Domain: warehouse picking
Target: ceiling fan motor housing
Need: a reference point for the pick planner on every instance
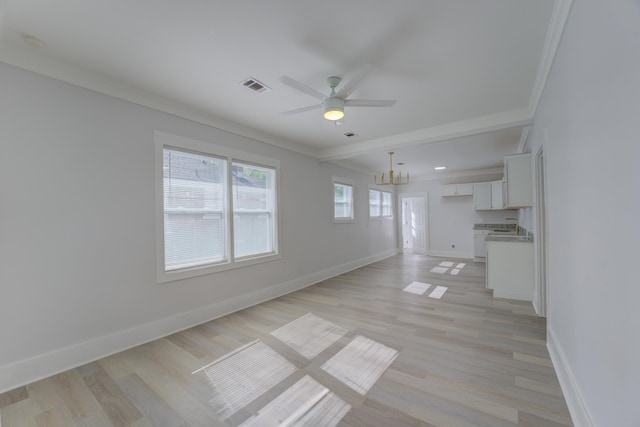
(333, 108)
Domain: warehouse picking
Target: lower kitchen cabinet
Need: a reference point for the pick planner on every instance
(510, 269)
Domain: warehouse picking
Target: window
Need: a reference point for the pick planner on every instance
(374, 203)
(253, 209)
(380, 204)
(342, 200)
(386, 203)
(216, 211)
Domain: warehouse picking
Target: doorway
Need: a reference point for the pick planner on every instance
(541, 233)
(414, 223)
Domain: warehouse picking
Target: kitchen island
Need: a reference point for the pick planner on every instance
(510, 271)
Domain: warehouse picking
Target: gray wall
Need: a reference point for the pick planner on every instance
(77, 230)
(587, 122)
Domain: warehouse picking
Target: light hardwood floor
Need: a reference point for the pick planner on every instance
(464, 360)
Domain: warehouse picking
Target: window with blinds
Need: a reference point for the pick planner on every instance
(218, 212)
(195, 209)
(342, 200)
(379, 204)
(254, 203)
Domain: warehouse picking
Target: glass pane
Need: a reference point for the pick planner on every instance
(386, 203)
(194, 209)
(374, 203)
(254, 202)
(343, 201)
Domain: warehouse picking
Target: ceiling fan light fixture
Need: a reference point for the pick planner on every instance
(333, 108)
(334, 114)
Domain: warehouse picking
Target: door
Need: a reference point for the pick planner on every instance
(414, 223)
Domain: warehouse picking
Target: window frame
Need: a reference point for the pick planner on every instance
(164, 140)
(345, 182)
(380, 215)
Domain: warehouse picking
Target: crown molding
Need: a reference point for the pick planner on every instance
(461, 174)
(474, 126)
(522, 145)
(557, 23)
(109, 87)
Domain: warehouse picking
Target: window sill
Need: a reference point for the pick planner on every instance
(175, 275)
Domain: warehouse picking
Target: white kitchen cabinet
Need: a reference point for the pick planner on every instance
(457, 190)
(496, 195)
(518, 181)
(479, 248)
(510, 269)
(482, 196)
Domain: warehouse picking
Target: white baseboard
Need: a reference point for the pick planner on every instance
(577, 408)
(451, 254)
(44, 365)
(511, 295)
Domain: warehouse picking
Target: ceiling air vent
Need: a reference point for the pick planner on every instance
(255, 85)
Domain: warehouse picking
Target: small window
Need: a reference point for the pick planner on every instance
(374, 203)
(342, 200)
(194, 209)
(380, 204)
(254, 201)
(386, 207)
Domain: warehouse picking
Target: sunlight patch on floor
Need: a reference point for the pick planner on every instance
(309, 335)
(361, 363)
(243, 375)
(417, 288)
(438, 292)
(305, 403)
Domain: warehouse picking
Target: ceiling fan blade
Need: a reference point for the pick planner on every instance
(301, 110)
(370, 102)
(301, 87)
(351, 85)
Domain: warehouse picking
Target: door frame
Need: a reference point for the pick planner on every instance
(425, 197)
(541, 234)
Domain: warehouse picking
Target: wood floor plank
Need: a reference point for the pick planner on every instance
(13, 396)
(154, 408)
(120, 410)
(467, 359)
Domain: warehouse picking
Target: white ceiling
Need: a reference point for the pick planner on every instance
(466, 74)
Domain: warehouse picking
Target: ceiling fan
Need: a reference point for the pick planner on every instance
(333, 105)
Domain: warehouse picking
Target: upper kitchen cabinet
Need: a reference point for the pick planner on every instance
(496, 195)
(487, 196)
(482, 196)
(457, 190)
(518, 181)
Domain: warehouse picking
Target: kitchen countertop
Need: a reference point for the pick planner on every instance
(509, 238)
(494, 227)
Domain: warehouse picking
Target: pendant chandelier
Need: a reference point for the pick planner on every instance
(393, 180)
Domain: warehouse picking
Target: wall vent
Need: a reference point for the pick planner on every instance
(255, 85)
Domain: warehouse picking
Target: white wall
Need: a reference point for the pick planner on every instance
(451, 219)
(77, 238)
(588, 123)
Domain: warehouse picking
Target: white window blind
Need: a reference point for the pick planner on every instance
(374, 203)
(342, 201)
(254, 203)
(379, 204)
(386, 203)
(194, 209)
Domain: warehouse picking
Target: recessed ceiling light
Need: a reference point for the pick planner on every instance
(33, 41)
(440, 168)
